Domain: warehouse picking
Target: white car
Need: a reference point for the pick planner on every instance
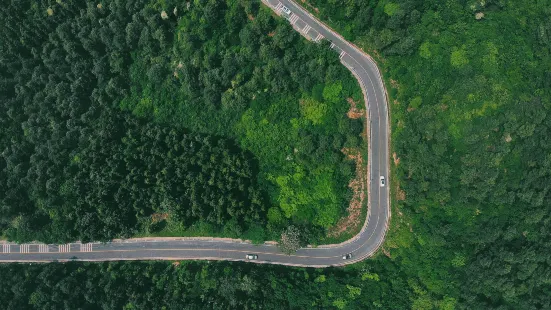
(382, 181)
(286, 10)
(251, 256)
(347, 256)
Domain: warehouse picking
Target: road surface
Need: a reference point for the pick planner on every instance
(361, 246)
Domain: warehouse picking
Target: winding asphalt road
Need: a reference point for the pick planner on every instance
(361, 246)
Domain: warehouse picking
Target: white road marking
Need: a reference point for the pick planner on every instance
(306, 29)
(279, 5)
(332, 44)
(342, 55)
(24, 248)
(43, 248)
(64, 248)
(86, 247)
(6, 248)
(293, 19)
(319, 37)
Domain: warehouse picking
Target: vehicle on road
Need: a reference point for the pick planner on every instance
(251, 256)
(382, 181)
(347, 256)
(286, 10)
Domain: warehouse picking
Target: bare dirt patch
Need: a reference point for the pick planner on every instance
(157, 217)
(400, 194)
(508, 138)
(271, 34)
(354, 112)
(396, 159)
(394, 84)
(359, 189)
(250, 17)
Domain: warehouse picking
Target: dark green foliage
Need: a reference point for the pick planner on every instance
(211, 128)
(252, 80)
(472, 132)
(189, 285)
(75, 168)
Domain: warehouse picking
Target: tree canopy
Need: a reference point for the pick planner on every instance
(129, 118)
(470, 92)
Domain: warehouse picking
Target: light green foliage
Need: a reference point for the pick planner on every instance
(320, 279)
(448, 303)
(370, 276)
(290, 198)
(271, 141)
(307, 188)
(274, 215)
(424, 50)
(391, 8)
(459, 260)
(314, 194)
(423, 303)
(353, 291)
(490, 59)
(332, 92)
(459, 58)
(313, 111)
(340, 303)
(415, 102)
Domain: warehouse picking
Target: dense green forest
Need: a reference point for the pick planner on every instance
(126, 118)
(195, 285)
(470, 87)
(470, 83)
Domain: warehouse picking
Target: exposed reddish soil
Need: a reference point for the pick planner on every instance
(354, 112)
(396, 159)
(157, 217)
